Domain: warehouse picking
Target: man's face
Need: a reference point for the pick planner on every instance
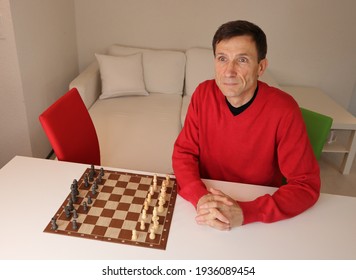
(237, 68)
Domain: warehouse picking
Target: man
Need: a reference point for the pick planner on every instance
(240, 129)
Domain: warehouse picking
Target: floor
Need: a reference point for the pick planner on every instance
(334, 182)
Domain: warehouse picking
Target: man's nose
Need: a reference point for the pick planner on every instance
(230, 70)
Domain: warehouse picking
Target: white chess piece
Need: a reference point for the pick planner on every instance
(134, 235)
(155, 211)
(145, 205)
(155, 224)
(142, 226)
(163, 193)
(144, 214)
(152, 233)
(167, 180)
(160, 208)
(149, 196)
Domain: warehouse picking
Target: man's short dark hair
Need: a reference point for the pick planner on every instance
(242, 28)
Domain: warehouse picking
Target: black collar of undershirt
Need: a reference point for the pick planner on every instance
(238, 110)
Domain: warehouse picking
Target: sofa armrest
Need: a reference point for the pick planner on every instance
(88, 83)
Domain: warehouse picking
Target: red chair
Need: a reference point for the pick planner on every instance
(70, 130)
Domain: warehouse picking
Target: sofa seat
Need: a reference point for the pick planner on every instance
(126, 125)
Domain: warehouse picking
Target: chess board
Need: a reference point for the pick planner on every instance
(116, 209)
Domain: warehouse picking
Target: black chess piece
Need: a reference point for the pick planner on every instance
(74, 196)
(74, 224)
(75, 186)
(91, 175)
(93, 189)
(98, 180)
(85, 207)
(67, 211)
(89, 200)
(75, 214)
(54, 225)
(86, 180)
(70, 204)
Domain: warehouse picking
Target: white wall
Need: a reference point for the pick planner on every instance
(38, 60)
(14, 133)
(47, 55)
(311, 43)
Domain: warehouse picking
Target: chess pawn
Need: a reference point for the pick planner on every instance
(91, 175)
(151, 190)
(145, 205)
(149, 198)
(144, 214)
(155, 211)
(85, 206)
(163, 193)
(101, 172)
(152, 233)
(89, 200)
(155, 224)
(95, 184)
(154, 219)
(142, 226)
(70, 204)
(75, 214)
(160, 207)
(93, 188)
(163, 185)
(86, 180)
(74, 224)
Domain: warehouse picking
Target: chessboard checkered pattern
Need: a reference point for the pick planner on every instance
(116, 210)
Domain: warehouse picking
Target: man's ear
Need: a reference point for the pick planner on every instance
(262, 66)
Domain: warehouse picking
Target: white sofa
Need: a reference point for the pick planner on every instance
(138, 99)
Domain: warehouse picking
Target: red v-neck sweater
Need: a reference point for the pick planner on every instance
(263, 144)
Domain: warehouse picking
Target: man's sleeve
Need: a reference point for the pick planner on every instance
(185, 157)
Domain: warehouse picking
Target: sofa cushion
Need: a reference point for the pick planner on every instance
(163, 70)
(121, 75)
(138, 132)
(200, 67)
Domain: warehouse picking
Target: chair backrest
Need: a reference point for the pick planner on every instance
(318, 128)
(70, 130)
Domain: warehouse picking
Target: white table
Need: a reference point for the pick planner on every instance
(316, 100)
(32, 190)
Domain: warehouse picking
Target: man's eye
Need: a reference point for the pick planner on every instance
(243, 59)
(221, 58)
